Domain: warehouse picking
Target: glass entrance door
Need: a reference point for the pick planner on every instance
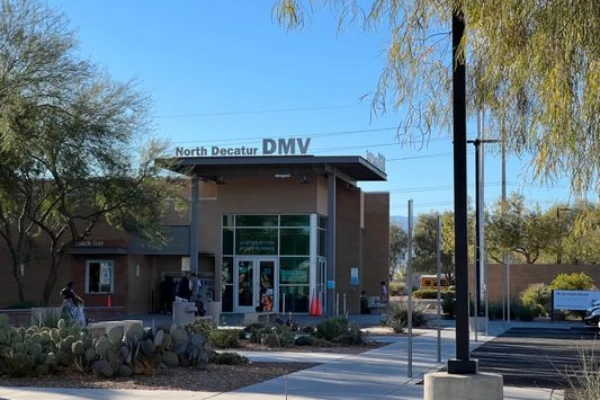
(255, 284)
(244, 298)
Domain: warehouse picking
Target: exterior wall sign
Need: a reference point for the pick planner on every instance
(574, 300)
(292, 146)
(377, 160)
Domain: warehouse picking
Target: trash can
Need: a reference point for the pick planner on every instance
(213, 309)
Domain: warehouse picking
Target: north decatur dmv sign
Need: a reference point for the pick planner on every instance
(293, 146)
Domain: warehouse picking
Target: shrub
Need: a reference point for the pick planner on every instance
(48, 318)
(537, 297)
(305, 341)
(229, 359)
(449, 307)
(331, 328)
(572, 282)
(584, 383)
(200, 326)
(224, 339)
(494, 310)
(525, 313)
(397, 288)
(279, 337)
(396, 316)
(352, 336)
(432, 294)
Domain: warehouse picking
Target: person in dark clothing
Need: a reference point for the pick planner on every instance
(364, 303)
(167, 294)
(184, 290)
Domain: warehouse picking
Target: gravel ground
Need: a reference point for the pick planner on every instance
(314, 349)
(217, 378)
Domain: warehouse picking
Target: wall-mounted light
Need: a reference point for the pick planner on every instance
(137, 270)
(22, 268)
(303, 180)
(282, 176)
(219, 180)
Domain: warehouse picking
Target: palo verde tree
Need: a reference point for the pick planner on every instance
(75, 144)
(533, 65)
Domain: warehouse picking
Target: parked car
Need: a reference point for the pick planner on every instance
(592, 316)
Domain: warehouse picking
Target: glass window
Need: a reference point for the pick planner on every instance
(296, 298)
(228, 220)
(256, 220)
(256, 241)
(321, 242)
(295, 241)
(99, 277)
(227, 241)
(227, 269)
(295, 220)
(294, 270)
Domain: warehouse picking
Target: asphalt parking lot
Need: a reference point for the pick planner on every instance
(537, 357)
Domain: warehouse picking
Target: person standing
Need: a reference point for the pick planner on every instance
(384, 292)
(72, 308)
(183, 291)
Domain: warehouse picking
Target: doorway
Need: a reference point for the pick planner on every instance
(255, 282)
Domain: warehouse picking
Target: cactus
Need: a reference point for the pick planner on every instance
(102, 346)
(102, 367)
(147, 347)
(31, 331)
(61, 324)
(87, 342)
(135, 332)
(170, 359)
(35, 350)
(55, 335)
(179, 348)
(51, 359)
(90, 354)
(111, 356)
(115, 335)
(124, 371)
(4, 337)
(167, 341)
(158, 338)
(179, 335)
(198, 339)
(77, 348)
(66, 344)
(3, 320)
(63, 333)
(20, 348)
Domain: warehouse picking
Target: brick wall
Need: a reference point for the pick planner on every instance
(522, 275)
(376, 241)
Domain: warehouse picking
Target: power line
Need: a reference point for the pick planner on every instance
(254, 112)
(447, 203)
(449, 187)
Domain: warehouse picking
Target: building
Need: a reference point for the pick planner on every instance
(285, 228)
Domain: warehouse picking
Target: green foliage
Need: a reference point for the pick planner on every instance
(396, 316)
(224, 338)
(398, 247)
(229, 359)
(397, 288)
(432, 294)
(331, 328)
(449, 307)
(278, 337)
(573, 281)
(537, 297)
(305, 341)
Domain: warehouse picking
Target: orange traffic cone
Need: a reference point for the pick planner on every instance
(319, 306)
(312, 309)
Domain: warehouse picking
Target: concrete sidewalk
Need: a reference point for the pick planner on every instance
(379, 374)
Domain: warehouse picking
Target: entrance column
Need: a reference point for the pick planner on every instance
(194, 227)
(331, 210)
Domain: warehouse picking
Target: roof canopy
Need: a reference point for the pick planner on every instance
(353, 167)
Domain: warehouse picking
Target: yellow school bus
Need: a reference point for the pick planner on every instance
(430, 282)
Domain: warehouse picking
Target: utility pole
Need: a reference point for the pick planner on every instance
(479, 214)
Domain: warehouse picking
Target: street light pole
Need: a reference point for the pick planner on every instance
(462, 364)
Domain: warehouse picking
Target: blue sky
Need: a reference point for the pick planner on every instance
(223, 72)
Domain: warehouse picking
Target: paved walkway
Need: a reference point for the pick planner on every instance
(379, 374)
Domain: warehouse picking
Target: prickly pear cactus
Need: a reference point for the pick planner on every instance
(103, 368)
(102, 346)
(135, 332)
(115, 335)
(170, 359)
(179, 335)
(158, 338)
(77, 348)
(3, 320)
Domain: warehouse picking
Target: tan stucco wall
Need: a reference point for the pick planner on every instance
(375, 242)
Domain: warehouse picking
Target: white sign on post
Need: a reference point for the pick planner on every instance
(574, 300)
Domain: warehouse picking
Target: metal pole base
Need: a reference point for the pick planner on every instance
(463, 367)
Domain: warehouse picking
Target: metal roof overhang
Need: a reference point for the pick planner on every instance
(351, 168)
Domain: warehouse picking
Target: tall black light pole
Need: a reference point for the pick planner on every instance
(462, 364)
